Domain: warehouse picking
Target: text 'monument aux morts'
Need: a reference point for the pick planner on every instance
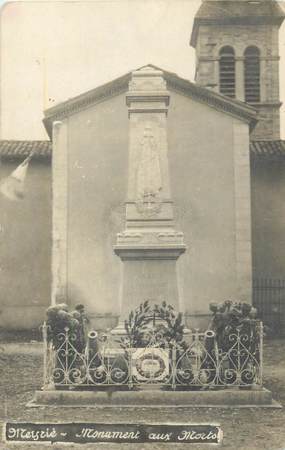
(129, 433)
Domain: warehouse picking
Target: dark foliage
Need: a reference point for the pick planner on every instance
(158, 323)
(60, 321)
(233, 318)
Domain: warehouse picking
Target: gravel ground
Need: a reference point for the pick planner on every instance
(244, 429)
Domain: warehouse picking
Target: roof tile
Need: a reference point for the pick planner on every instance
(21, 149)
(43, 149)
(268, 149)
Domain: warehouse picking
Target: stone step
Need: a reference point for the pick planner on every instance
(153, 398)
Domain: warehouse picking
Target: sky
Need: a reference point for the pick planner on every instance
(54, 50)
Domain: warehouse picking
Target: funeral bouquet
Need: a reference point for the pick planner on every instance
(232, 318)
(62, 324)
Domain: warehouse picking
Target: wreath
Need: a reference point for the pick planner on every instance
(158, 324)
(152, 357)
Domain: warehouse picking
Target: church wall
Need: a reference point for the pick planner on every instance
(268, 218)
(268, 126)
(205, 190)
(25, 242)
(201, 161)
(97, 183)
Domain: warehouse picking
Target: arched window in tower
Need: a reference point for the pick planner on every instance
(227, 72)
(252, 75)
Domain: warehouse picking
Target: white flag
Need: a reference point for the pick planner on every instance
(12, 187)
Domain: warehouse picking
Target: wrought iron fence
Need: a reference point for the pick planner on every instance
(200, 361)
(269, 299)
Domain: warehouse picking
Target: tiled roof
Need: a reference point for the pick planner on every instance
(43, 149)
(236, 12)
(221, 8)
(268, 149)
(21, 149)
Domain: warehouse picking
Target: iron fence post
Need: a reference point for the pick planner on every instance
(261, 352)
(66, 354)
(173, 359)
(45, 347)
(239, 356)
(130, 380)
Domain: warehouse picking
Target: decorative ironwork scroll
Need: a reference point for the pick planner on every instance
(198, 364)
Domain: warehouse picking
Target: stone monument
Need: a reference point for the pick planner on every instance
(155, 366)
(150, 245)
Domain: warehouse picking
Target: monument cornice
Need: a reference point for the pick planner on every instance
(163, 200)
(147, 110)
(127, 253)
(152, 97)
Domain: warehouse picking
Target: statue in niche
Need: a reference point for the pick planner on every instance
(149, 180)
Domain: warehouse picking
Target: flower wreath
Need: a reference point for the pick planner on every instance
(157, 374)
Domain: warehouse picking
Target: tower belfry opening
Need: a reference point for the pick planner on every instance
(227, 72)
(252, 74)
(237, 49)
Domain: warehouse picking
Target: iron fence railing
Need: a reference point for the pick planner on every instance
(269, 299)
(199, 362)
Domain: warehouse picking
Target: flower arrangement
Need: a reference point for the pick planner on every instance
(60, 320)
(158, 323)
(232, 317)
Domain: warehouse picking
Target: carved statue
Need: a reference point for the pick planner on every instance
(149, 180)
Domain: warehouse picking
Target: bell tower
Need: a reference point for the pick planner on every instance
(237, 54)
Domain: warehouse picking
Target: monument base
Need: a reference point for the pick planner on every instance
(155, 398)
(119, 331)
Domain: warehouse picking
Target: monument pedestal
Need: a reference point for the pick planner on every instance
(149, 271)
